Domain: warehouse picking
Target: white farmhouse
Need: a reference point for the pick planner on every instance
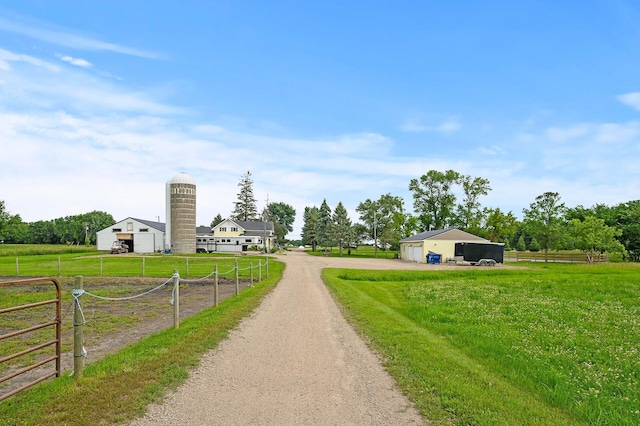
(235, 236)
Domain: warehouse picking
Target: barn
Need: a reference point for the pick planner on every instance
(142, 236)
(450, 244)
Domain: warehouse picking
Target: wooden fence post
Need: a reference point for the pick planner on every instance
(215, 285)
(176, 299)
(251, 274)
(17, 270)
(267, 268)
(259, 270)
(187, 273)
(78, 345)
(100, 265)
(58, 265)
(237, 278)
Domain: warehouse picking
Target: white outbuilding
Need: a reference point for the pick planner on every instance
(142, 236)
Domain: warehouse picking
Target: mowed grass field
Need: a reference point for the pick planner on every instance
(550, 344)
(48, 262)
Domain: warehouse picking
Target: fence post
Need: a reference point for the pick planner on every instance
(143, 266)
(237, 278)
(176, 299)
(251, 274)
(266, 269)
(17, 270)
(100, 265)
(58, 265)
(259, 270)
(187, 274)
(215, 285)
(78, 345)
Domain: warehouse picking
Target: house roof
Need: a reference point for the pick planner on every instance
(456, 235)
(254, 225)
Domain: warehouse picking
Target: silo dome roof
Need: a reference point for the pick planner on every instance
(182, 178)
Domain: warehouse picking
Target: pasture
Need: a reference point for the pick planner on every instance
(142, 361)
(549, 344)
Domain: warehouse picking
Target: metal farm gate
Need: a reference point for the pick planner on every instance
(55, 342)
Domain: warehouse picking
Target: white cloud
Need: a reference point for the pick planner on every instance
(32, 81)
(558, 134)
(7, 56)
(631, 99)
(446, 127)
(410, 126)
(62, 37)
(75, 61)
(617, 133)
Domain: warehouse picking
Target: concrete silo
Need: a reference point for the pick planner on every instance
(181, 214)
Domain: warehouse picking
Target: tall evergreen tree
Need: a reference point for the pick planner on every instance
(309, 227)
(245, 208)
(323, 228)
(341, 226)
(216, 220)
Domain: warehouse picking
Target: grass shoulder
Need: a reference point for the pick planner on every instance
(549, 344)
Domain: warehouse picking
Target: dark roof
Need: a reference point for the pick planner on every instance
(203, 230)
(254, 225)
(424, 235)
(160, 226)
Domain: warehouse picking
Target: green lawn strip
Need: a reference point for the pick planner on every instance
(360, 252)
(118, 388)
(95, 264)
(547, 344)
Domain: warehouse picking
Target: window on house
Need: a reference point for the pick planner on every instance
(130, 226)
(234, 229)
(248, 240)
(116, 229)
(223, 229)
(144, 229)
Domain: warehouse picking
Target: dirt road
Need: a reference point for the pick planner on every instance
(295, 361)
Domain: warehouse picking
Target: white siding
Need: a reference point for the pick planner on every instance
(144, 242)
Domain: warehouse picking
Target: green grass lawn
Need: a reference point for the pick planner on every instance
(100, 264)
(552, 344)
(360, 252)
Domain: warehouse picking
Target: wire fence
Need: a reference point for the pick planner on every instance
(220, 283)
(117, 265)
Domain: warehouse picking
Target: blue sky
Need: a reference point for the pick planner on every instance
(102, 102)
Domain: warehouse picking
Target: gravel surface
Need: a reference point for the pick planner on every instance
(294, 361)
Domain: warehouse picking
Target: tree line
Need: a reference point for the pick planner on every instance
(75, 229)
(547, 223)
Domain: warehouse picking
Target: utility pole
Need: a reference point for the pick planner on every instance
(264, 224)
(375, 233)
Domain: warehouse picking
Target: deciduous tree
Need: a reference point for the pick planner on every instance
(544, 220)
(433, 198)
(592, 236)
(469, 213)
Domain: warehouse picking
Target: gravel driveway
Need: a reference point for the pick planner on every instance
(294, 361)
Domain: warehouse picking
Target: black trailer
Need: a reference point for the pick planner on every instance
(480, 253)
